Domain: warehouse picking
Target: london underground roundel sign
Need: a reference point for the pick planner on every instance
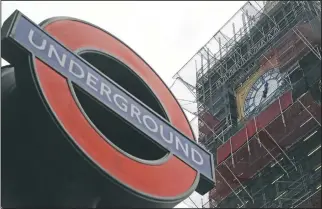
(55, 50)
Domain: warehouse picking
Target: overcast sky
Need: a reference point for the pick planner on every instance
(166, 34)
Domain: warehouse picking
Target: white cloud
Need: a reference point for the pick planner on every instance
(166, 34)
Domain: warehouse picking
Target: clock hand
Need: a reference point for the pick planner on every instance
(262, 98)
(265, 90)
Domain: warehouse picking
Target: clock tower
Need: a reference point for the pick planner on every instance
(269, 56)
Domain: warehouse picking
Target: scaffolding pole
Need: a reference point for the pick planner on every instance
(230, 187)
(203, 122)
(257, 136)
(306, 42)
(283, 119)
(309, 112)
(231, 153)
(280, 148)
(306, 198)
(247, 138)
(274, 159)
(188, 85)
(239, 182)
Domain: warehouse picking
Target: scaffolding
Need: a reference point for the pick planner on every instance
(284, 35)
(277, 159)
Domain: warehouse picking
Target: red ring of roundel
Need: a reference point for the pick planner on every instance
(170, 179)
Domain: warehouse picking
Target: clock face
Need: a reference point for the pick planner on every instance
(262, 90)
